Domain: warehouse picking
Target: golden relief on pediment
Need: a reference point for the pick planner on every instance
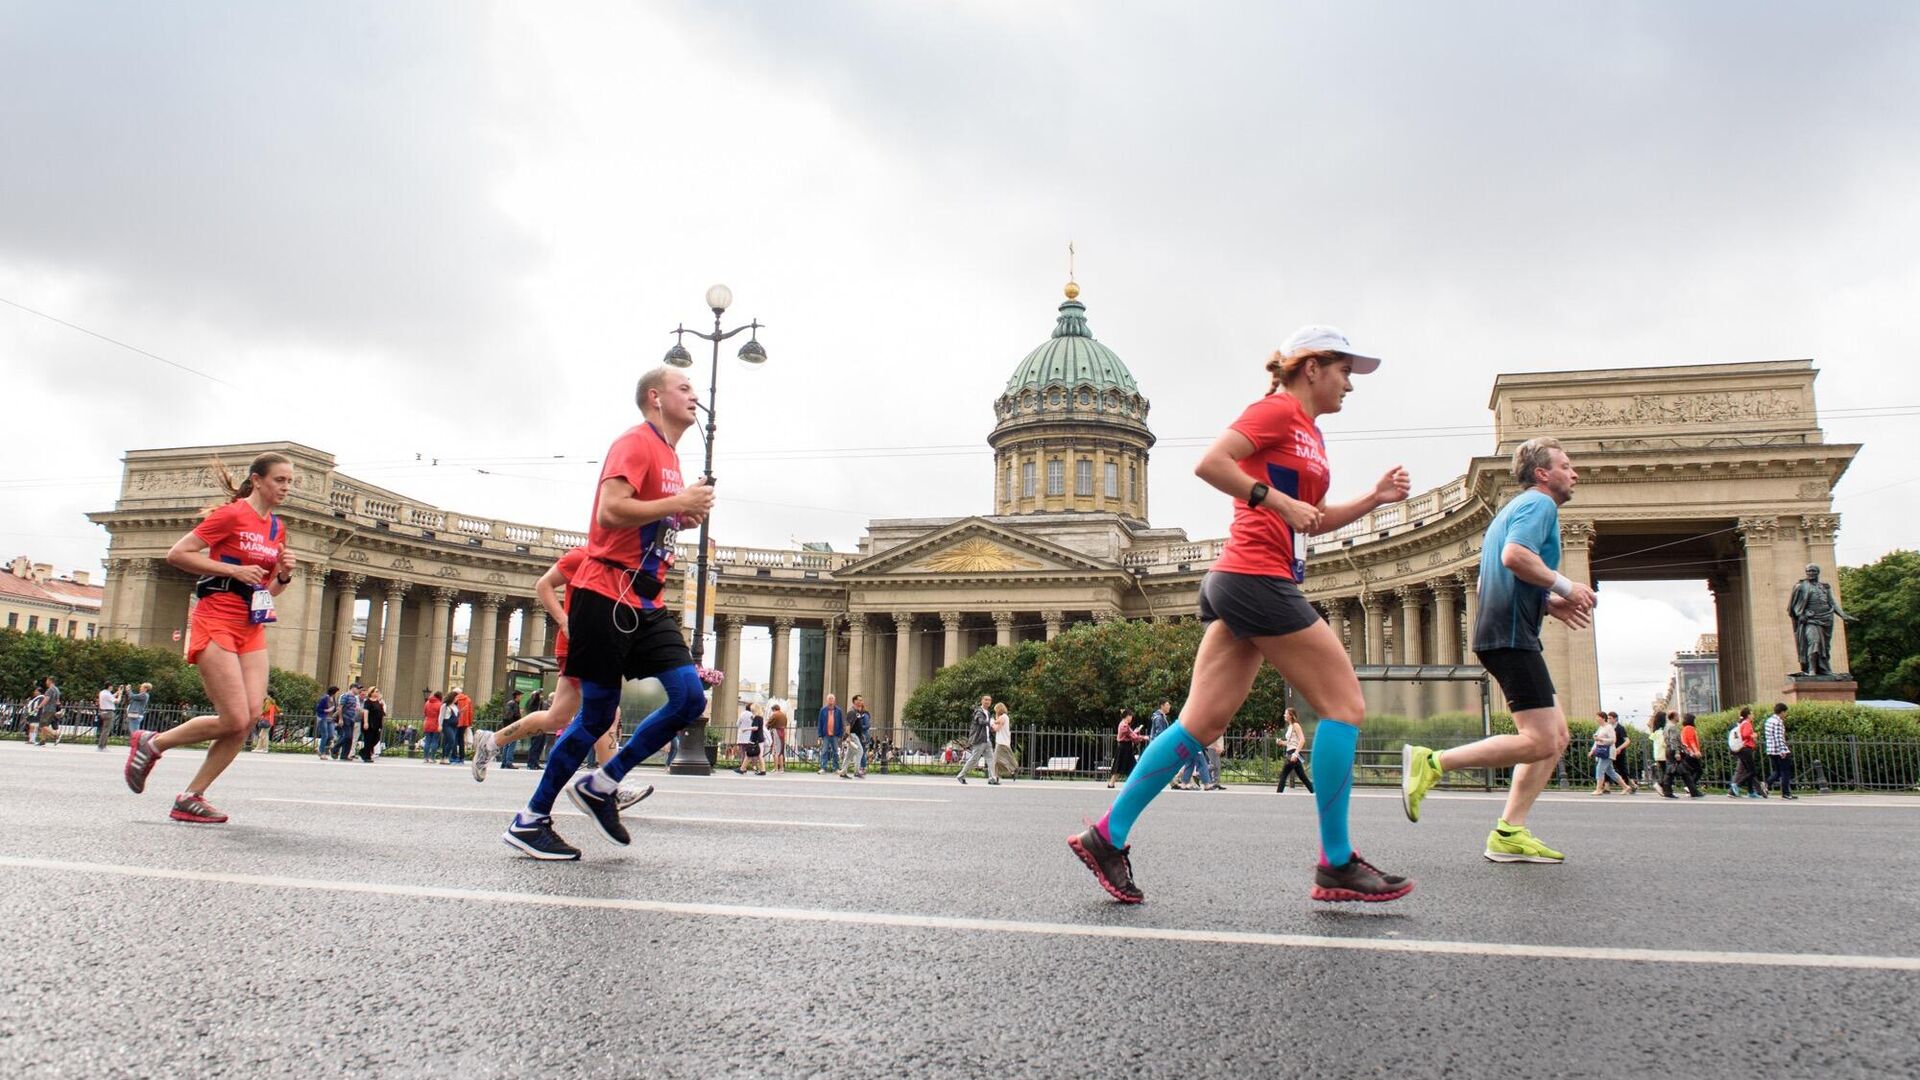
(974, 557)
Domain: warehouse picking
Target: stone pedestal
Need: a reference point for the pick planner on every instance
(1800, 690)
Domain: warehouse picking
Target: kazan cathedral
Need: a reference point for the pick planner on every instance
(1719, 469)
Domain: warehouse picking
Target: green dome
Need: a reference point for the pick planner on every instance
(1072, 358)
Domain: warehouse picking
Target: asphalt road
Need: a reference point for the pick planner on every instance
(366, 920)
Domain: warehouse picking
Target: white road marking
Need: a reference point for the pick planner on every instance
(997, 926)
(509, 812)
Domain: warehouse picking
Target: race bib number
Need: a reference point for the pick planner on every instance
(260, 610)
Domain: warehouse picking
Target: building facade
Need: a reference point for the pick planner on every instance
(1715, 472)
(33, 600)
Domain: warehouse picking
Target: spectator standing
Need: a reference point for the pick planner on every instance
(537, 744)
(323, 721)
(1158, 722)
(1780, 752)
(347, 712)
(1003, 759)
(137, 707)
(1215, 750)
(374, 725)
(777, 724)
(1127, 738)
(1746, 770)
(1295, 741)
(1622, 743)
(461, 725)
(1663, 765)
(859, 735)
(980, 741)
(509, 714)
(450, 717)
(46, 715)
(263, 725)
(832, 728)
(108, 704)
(430, 726)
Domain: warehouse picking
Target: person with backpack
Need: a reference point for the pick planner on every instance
(1746, 775)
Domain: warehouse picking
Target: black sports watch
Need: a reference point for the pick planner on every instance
(1258, 495)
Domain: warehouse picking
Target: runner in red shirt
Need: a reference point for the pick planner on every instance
(566, 694)
(617, 625)
(1273, 462)
(239, 552)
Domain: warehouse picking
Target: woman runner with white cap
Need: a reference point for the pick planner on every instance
(1273, 462)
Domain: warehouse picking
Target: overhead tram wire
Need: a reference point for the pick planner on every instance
(115, 341)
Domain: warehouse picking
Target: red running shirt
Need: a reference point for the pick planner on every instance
(1289, 456)
(642, 458)
(235, 534)
(568, 565)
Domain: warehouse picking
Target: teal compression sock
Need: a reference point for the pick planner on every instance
(1334, 743)
(1163, 757)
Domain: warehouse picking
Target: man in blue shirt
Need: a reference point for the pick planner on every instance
(323, 721)
(831, 729)
(1520, 584)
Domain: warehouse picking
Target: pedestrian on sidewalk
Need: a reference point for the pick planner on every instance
(1003, 759)
(1780, 753)
(1746, 770)
(323, 721)
(1294, 741)
(777, 724)
(1664, 769)
(831, 728)
(859, 737)
(107, 705)
(1602, 754)
(137, 707)
(1691, 762)
(1127, 740)
(980, 741)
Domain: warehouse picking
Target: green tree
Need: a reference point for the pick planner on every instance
(1884, 644)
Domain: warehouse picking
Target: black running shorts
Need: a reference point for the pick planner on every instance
(1253, 605)
(610, 641)
(1522, 675)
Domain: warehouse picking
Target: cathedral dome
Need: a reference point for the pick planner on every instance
(1070, 429)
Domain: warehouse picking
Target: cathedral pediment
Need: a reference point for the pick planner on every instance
(974, 547)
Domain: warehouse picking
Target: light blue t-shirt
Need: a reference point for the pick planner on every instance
(1510, 609)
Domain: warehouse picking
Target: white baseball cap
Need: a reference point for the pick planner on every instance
(1329, 339)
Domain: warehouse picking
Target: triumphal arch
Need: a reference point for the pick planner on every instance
(1710, 472)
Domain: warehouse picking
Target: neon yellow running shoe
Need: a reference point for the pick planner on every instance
(1519, 846)
(1418, 774)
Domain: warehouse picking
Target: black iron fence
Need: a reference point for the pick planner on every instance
(1847, 763)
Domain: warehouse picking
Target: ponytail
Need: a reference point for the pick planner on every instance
(245, 488)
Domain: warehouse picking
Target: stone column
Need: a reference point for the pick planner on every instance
(347, 589)
(1337, 622)
(950, 655)
(857, 656)
(310, 627)
(1581, 695)
(533, 631)
(1406, 638)
(1003, 628)
(390, 643)
(902, 671)
(1052, 619)
(726, 701)
(370, 668)
(481, 635)
(829, 657)
(1769, 630)
(1820, 530)
(778, 674)
(1376, 605)
(1469, 582)
(443, 599)
(1446, 624)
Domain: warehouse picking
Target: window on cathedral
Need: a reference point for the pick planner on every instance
(1113, 480)
(1026, 479)
(1056, 477)
(1008, 489)
(1083, 477)
(1132, 489)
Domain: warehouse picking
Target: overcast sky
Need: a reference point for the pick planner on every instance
(459, 231)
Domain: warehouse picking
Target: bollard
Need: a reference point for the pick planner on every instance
(1819, 774)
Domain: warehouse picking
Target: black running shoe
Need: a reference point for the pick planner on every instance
(539, 840)
(140, 758)
(1358, 880)
(1109, 864)
(603, 810)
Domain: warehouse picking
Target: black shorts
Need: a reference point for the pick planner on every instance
(1522, 675)
(1253, 605)
(609, 641)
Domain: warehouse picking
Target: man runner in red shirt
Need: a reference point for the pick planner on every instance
(618, 626)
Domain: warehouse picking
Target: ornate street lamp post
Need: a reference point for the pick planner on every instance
(691, 756)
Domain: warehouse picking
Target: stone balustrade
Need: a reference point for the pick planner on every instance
(381, 511)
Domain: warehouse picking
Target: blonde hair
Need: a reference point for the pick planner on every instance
(261, 466)
(999, 708)
(1285, 368)
(1530, 455)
